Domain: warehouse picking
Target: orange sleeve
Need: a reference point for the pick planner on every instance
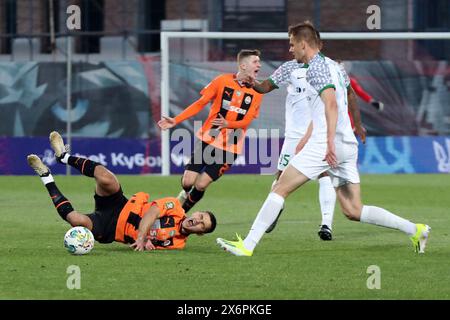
(192, 110)
(207, 94)
(168, 206)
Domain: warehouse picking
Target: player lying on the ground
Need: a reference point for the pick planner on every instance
(331, 148)
(146, 225)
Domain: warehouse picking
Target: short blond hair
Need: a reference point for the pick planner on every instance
(306, 31)
(244, 53)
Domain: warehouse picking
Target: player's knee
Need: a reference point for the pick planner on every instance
(201, 185)
(280, 189)
(187, 183)
(352, 213)
(75, 219)
(104, 176)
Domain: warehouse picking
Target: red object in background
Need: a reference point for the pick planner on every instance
(361, 93)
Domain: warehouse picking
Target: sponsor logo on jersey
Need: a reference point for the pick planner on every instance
(234, 109)
(169, 205)
(248, 99)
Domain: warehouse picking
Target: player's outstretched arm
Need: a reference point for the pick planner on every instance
(264, 86)
(192, 110)
(147, 221)
(167, 123)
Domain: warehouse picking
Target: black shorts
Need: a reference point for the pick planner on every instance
(104, 219)
(210, 159)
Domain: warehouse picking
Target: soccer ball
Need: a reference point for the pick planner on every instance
(79, 240)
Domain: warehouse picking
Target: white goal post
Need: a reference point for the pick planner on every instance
(167, 35)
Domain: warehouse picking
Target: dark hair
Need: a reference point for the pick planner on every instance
(244, 53)
(305, 31)
(213, 221)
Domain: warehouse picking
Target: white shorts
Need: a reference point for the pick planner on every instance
(287, 152)
(309, 161)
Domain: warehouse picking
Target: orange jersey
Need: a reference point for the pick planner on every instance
(238, 104)
(165, 231)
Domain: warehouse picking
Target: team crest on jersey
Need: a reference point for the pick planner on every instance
(172, 233)
(248, 100)
(238, 93)
(169, 205)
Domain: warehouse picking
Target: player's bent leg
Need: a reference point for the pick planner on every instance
(85, 166)
(203, 181)
(62, 205)
(274, 224)
(188, 179)
(349, 196)
(78, 219)
(289, 181)
(196, 194)
(106, 182)
(187, 182)
(277, 176)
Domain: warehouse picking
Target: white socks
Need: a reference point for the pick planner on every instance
(65, 159)
(384, 218)
(266, 216)
(47, 179)
(327, 200)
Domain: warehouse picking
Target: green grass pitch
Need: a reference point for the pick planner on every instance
(289, 263)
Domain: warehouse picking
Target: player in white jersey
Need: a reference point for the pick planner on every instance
(298, 130)
(332, 147)
(297, 123)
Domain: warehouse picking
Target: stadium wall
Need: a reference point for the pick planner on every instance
(116, 106)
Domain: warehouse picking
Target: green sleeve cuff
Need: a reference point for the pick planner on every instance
(327, 87)
(273, 83)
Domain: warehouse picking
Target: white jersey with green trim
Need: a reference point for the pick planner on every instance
(321, 74)
(298, 109)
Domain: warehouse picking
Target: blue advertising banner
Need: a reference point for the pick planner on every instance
(405, 155)
(380, 155)
(121, 156)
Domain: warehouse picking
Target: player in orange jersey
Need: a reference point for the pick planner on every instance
(233, 107)
(145, 224)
